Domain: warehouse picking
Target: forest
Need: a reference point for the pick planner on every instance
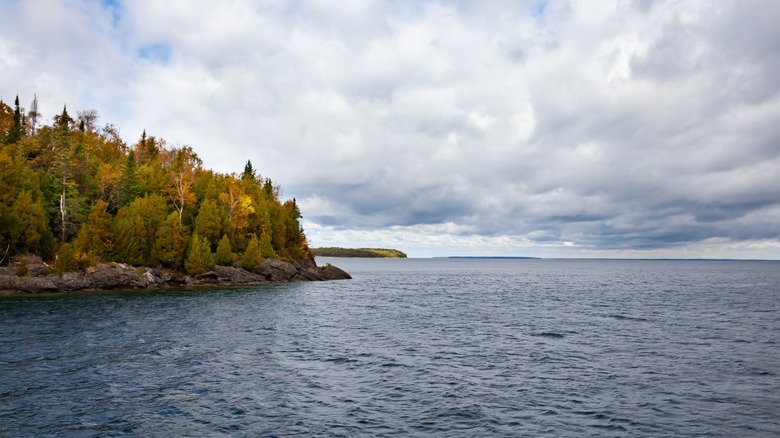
(358, 252)
(76, 194)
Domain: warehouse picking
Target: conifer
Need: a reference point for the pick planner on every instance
(252, 256)
(224, 255)
(199, 257)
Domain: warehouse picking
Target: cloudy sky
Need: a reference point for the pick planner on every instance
(554, 128)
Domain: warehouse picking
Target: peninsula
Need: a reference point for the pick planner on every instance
(358, 252)
(82, 209)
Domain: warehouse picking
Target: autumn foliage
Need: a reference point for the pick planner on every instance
(75, 189)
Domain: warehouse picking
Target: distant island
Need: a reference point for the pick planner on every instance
(495, 257)
(358, 252)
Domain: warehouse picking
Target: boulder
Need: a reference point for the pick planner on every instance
(330, 272)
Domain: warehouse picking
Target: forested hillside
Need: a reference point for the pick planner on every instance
(358, 252)
(78, 194)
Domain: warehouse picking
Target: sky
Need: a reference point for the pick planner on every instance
(548, 128)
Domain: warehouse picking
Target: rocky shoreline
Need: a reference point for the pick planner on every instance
(37, 278)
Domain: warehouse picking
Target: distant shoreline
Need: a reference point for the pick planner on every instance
(358, 253)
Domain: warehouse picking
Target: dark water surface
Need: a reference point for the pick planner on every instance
(408, 348)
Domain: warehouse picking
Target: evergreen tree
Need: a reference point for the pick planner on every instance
(252, 256)
(129, 189)
(170, 242)
(95, 236)
(29, 218)
(249, 171)
(199, 257)
(224, 255)
(16, 132)
(209, 222)
(266, 248)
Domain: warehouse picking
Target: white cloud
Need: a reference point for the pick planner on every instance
(563, 128)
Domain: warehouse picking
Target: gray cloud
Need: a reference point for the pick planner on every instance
(548, 128)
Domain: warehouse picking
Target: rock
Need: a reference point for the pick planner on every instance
(311, 275)
(71, 281)
(234, 275)
(9, 282)
(108, 276)
(277, 270)
(115, 276)
(37, 284)
(330, 272)
(38, 269)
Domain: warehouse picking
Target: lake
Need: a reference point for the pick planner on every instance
(409, 347)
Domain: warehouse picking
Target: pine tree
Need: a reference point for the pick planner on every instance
(224, 255)
(16, 132)
(266, 248)
(170, 242)
(95, 236)
(252, 256)
(209, 222)
(199, 257)
(129, 189)
(249, 171)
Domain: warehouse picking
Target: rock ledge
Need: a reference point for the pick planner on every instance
(119, 276)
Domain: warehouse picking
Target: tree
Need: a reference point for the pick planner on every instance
(266, 248)
(129, 189)
(70, 259)
(182, 176)
(209, 222)
(252, 256)
(224, 254)
(69, 201)
(135, 230)
(95, 236)
(87, 120)
(249, 171)
(199, 257)
(16, 132)
(170, 242)
(29, 230)
(33, 115)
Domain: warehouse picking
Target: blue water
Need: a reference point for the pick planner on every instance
(408, 348)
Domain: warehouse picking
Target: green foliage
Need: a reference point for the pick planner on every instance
(252, 256)
(69, 259)
(16, 132)
(224, 255)
(357, 252)
(95, 236)
(199, 257)
(266, 249)
(105, 200)
(135, 230)
(29, 229)
(209, 222)
(170, 242)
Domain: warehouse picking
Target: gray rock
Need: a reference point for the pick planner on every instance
(71, 281)
(278, 270)
(330, 272)
(37, 284)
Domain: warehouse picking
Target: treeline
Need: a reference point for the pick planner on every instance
(358, 252)
(78, 194)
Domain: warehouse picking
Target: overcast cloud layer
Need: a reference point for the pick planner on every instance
(549, 128)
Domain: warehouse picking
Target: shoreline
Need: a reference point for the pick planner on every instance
(108, 277)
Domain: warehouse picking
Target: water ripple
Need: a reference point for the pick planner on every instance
(409, 348)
